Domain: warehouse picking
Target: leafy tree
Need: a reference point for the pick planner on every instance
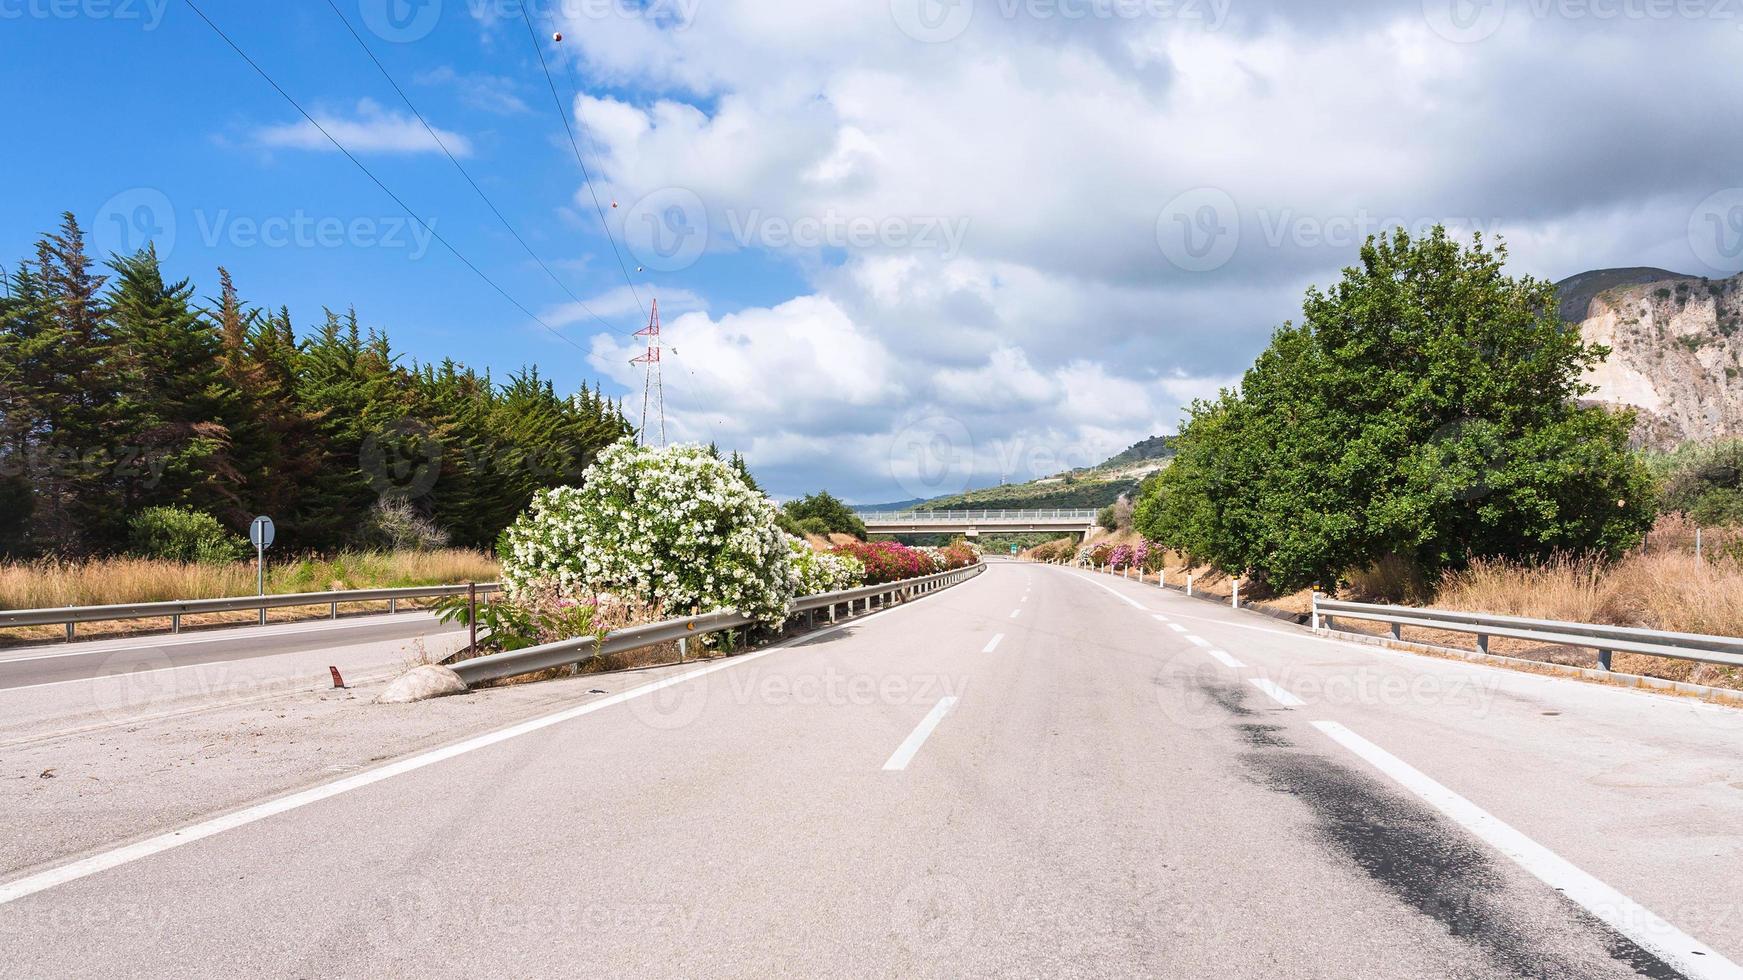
(829, 513)
(1426, 407)
(1704, 481)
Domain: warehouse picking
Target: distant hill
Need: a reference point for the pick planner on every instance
(1676, 350)
(1155, 447)
(1093, 486)
(894, 505)
(1577, 292)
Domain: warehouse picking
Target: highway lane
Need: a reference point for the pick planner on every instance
(1103, 796)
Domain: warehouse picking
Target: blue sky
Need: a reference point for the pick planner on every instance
(903, 246)
(162, 113)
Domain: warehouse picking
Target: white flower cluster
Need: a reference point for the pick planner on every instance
(675, 528)
(816, 572)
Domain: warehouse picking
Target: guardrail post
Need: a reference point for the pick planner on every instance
(1603, 660)
(69, 632)
(683, 648)
(175, 623)
(1482, 643)
(1315, 613)
(1397, 631)
(335, 611)
(392, 605)
(471, 616)
(263, 615)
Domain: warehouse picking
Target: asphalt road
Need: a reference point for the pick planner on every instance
(38, 665)
(1038, 773)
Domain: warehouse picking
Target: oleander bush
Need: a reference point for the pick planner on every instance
(888, 561)
(816, 572)
(675, 529)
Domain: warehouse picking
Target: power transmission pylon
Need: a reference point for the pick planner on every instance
(653, 381)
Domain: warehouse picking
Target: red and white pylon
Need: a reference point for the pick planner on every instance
(652, 381)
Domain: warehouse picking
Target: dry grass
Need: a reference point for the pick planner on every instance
(1660, 587)
(43, 584)
(110, 581)
(1659, 590)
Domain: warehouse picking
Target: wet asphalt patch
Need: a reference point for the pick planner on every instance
(1427, 864)
(1264, 736)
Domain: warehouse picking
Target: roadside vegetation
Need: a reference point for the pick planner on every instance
(121, 391)
(1419, 438)
(1425, 408)
(676, 531)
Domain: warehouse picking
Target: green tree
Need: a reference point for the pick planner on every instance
(179, 405)
(1425, 407)
(71, 401)
(828, 512)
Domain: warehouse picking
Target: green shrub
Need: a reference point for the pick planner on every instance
(179, 534)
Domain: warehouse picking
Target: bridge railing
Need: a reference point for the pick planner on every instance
(967, 516)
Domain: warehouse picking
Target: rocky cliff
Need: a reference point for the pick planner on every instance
(1677, 345)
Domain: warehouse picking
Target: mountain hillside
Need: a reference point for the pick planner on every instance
(1677, 350)
(1093, 486)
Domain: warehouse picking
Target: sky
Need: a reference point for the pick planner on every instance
(900, 247)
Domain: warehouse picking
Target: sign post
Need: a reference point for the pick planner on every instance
(261, 533)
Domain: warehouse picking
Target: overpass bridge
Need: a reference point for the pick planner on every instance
(976, 522)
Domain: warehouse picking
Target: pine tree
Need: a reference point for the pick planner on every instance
(179, 406)
(75, 402)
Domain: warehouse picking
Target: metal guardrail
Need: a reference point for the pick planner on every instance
(187, 607)
(1607, 640)
(961, 516)
(513, 663)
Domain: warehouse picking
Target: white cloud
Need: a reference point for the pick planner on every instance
(371, 129)
(480, 90)
(1060, 145)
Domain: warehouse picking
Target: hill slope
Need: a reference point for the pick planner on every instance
(1094, 486)
(1677, 350)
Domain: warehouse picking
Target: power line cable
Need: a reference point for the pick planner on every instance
(377, 180)
(575, 144)
(463, 171)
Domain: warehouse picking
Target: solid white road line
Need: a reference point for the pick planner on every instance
(13, 890)
(1276, 693)
(1223, 657)
(993, 644)
(1682, 952)
(905, 752)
